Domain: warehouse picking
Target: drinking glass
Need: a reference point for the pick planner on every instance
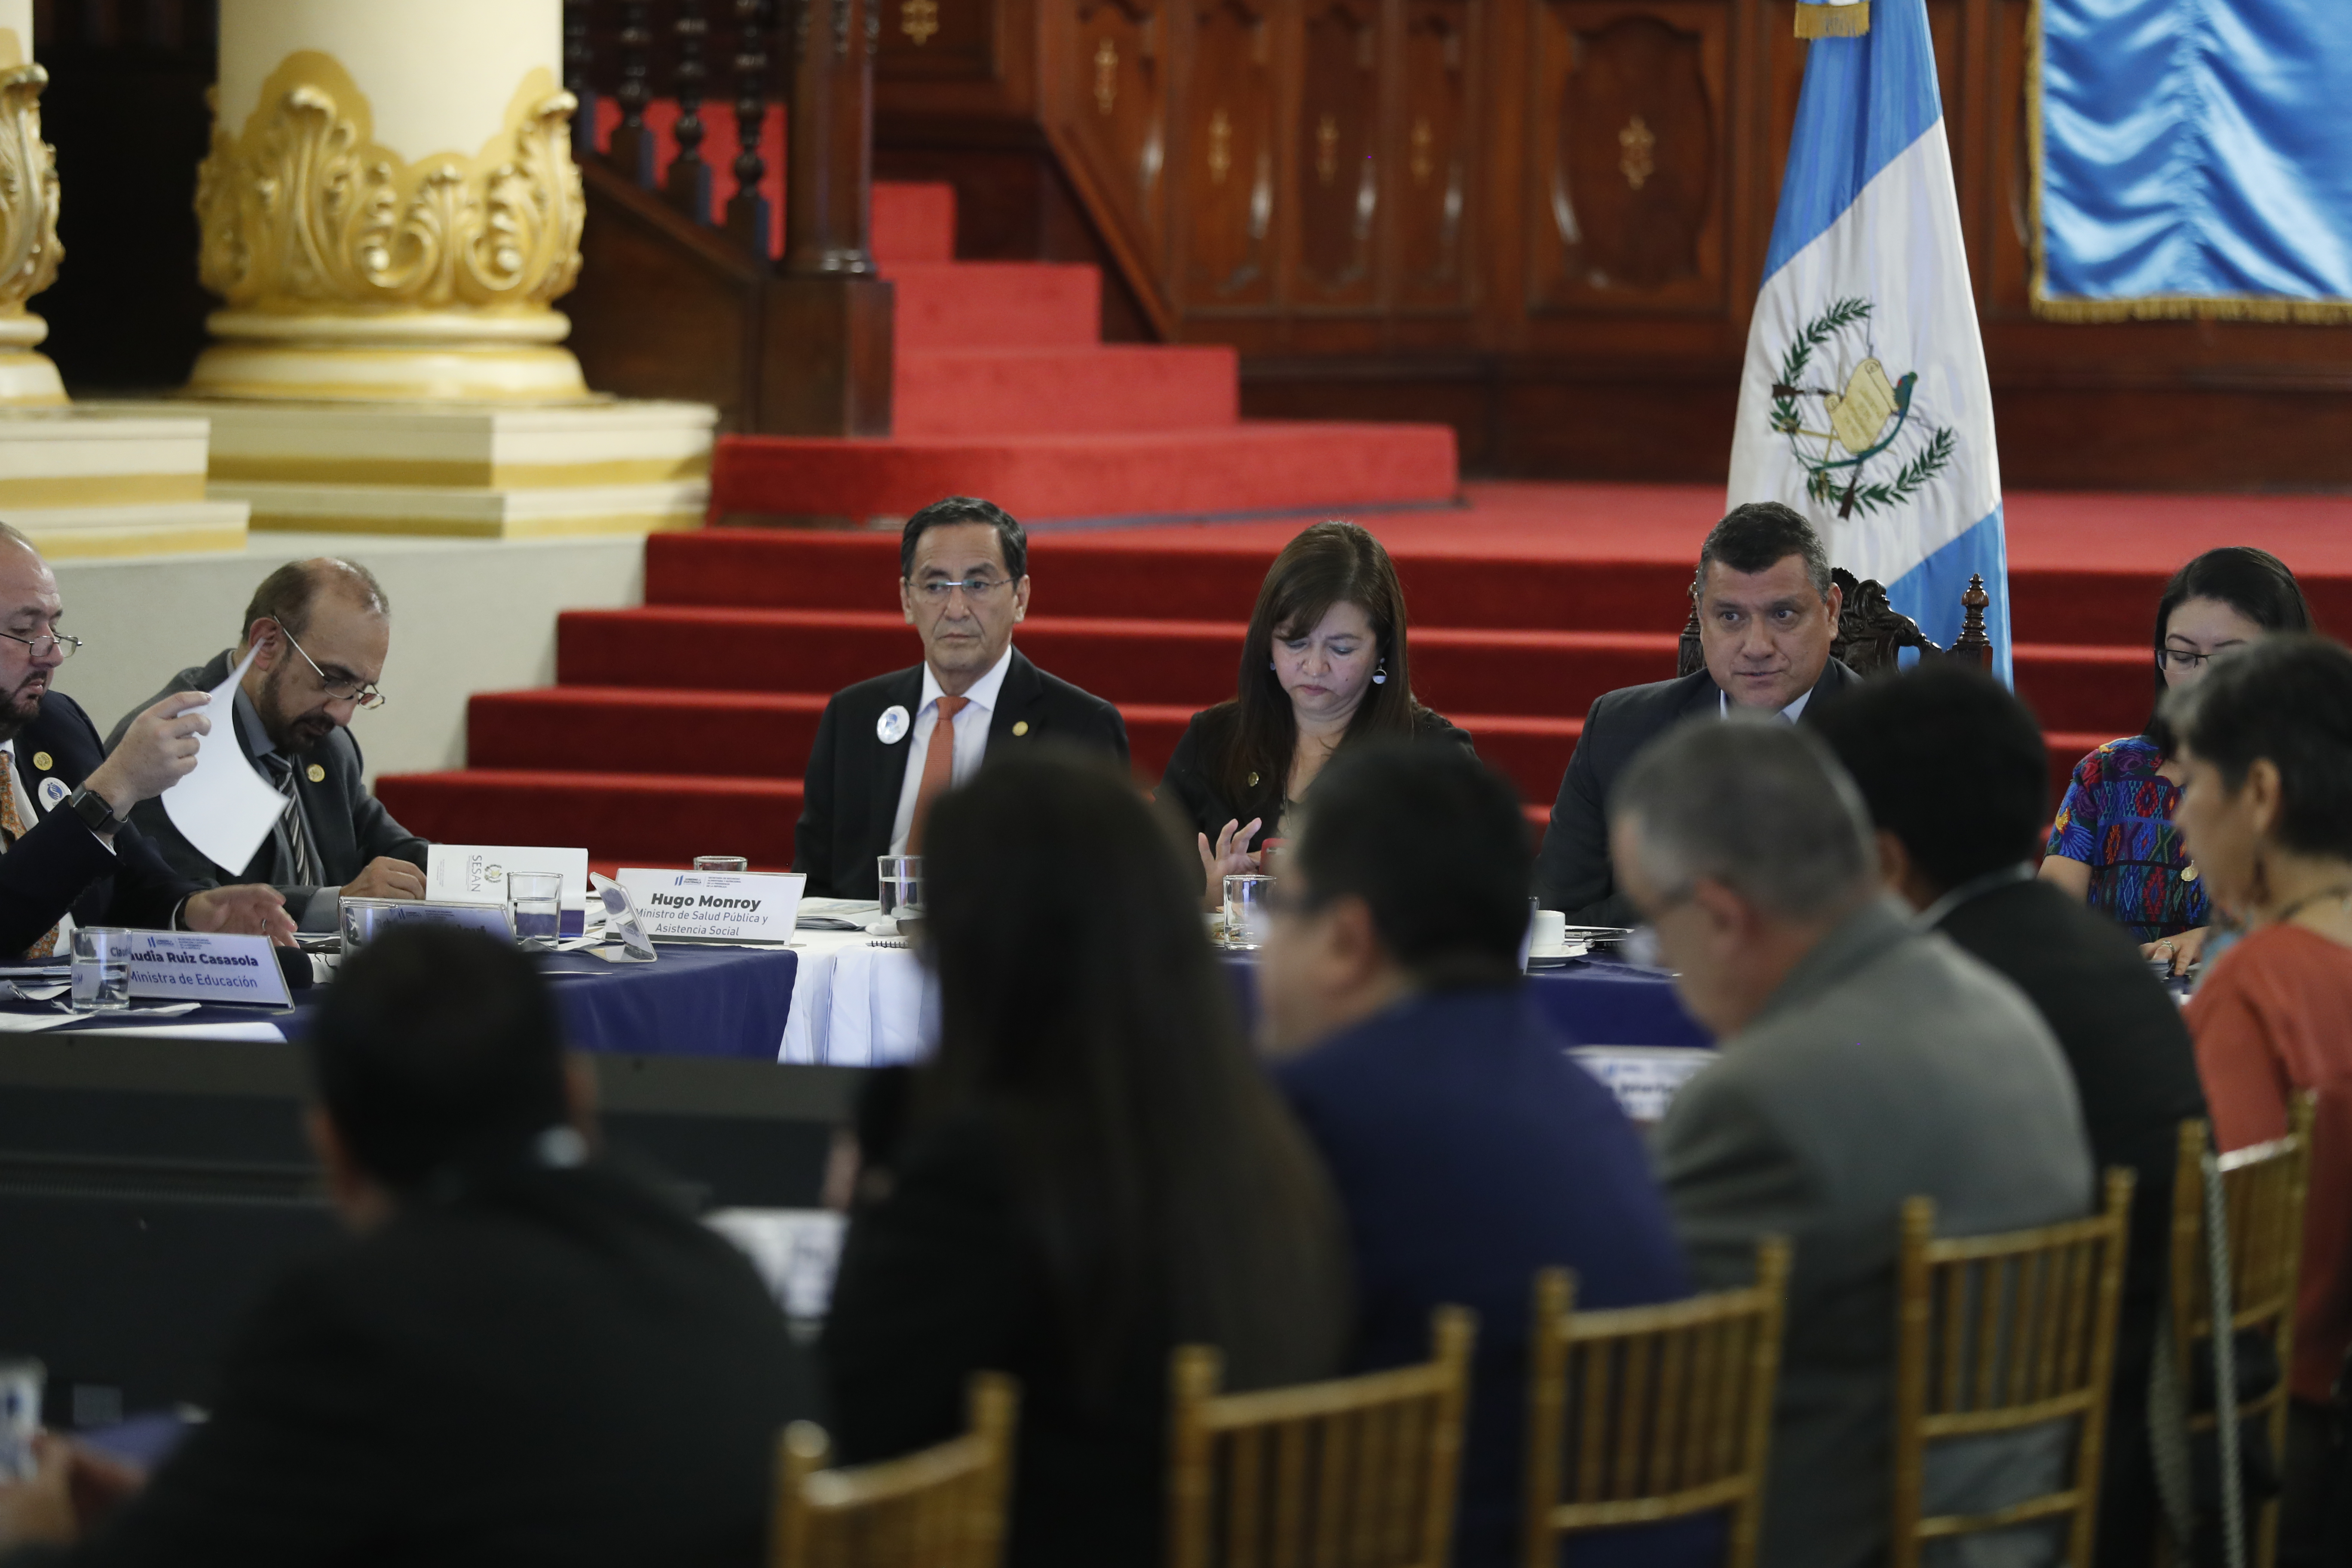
(535, 903)
(901, 881)
(722, 863)
(1248, 906)
(20, 1417)
(101, 969)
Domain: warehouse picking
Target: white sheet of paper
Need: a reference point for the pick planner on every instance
(26, 1023)
(222, 806)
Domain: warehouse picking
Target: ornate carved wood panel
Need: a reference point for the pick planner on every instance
(1432, 210)
(1628, 143)
(1228, 181)
(936, 40)
(1336, 152)
(1120, 117)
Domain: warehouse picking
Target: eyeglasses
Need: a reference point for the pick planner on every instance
(359, 693)
(42, 647)
(979, 590)
(2184, 661)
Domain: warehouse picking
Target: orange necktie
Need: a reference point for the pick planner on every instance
(12, 828)
(939, 768)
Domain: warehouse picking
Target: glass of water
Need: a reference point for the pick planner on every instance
(101, 969)
(1249, 903)
(722, 863)
(901, 880)
(535, 903)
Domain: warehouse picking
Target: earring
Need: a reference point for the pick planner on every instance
(1381, 676)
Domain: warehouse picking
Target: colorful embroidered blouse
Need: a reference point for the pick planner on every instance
(2117, 819)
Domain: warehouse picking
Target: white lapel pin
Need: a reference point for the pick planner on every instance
(892, 727)
(53, 790)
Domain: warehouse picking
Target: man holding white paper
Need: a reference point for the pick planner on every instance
(68, 850)
(316, 636)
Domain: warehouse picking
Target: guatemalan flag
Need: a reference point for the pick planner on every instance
(1864, 403)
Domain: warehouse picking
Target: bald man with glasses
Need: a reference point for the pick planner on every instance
(324, 629)
(888, 747)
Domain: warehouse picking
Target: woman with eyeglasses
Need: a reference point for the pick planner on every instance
(2114, 842)
(1324, 663)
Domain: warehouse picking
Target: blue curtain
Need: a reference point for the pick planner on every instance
(2196, 158)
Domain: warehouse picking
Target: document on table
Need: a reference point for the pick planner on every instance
(836, 914)
(222, 806)
(26, 1023)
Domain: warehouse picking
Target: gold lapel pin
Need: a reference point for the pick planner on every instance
(43, 760)
(1021, 727)
(2188, 874)
(316, 773)
(1252, 779)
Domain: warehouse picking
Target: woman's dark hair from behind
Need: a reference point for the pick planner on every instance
(1329, 564)
(1083, 1016)
(2254, 583)
(2289, 700)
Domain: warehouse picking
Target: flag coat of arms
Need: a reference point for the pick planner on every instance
(1863, 402)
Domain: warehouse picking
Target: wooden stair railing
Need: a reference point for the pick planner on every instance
(671, 305)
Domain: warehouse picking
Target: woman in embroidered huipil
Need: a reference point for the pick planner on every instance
(2114, 842)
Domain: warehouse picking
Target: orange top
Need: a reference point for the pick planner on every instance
(2274, 1017)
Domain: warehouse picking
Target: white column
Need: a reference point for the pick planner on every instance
(390, 207)
(29, 251)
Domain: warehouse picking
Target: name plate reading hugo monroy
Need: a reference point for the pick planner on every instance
(717, 906)
(195, 966)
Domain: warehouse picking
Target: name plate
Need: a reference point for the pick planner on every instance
(476, 874)
(195, 966)
(738, 906)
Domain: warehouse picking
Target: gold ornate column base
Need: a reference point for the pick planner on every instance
(29, 251)
(26, 379)
(354, 275)
(411, 356)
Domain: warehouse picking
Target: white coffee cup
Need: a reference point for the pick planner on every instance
(1550, 933)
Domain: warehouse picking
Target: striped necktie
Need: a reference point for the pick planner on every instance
(12, 828)
(297, 830)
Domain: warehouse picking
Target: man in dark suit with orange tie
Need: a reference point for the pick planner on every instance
(887, 746)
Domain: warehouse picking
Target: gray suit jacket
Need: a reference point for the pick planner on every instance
(348, 827)
(1889, 1063)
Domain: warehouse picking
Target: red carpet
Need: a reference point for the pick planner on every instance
(1527, 602)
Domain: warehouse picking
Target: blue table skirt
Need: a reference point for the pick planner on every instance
(1590, 1002)
(690, 1002)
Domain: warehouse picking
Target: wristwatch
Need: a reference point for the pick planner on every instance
(93, 808)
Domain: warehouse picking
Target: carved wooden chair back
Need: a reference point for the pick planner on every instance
(1870, 632)
(942, 1507)
(2264, 1188)
(1359, 1472)
(1996, 1334)
(1644, 1414)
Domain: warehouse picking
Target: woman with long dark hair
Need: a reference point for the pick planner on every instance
(1325, 662)
(2114, 842)
(1094, 1170)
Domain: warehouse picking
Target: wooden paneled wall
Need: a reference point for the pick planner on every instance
(1542, 220)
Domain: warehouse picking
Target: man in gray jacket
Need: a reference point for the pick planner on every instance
(1865, 1060)
(324, 629)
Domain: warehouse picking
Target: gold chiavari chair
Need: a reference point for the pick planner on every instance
(1359, 1472)
(942, 1507)
(2262, 1192)
(1997, 1334)
(1673, 1409)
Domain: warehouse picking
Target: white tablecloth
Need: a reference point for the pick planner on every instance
(856, 1004)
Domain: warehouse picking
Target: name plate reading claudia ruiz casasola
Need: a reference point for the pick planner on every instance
(739, 907)
(192, 966)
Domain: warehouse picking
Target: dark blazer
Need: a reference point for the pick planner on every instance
(852, 788)
(941, 1277)
(2136, 1072)
(60, 867)
(1194, 780)
(562, 1369)
(348, 827)
(1888, 1063)
(1572, 870)
(1470, 1152)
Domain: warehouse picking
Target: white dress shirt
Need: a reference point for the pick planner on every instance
(970, 740)
(1793, 712)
